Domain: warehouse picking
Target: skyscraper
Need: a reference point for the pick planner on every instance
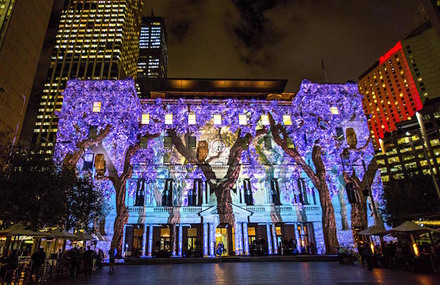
(153, 58)
(95, 40)
(23, 25)
(396, 86)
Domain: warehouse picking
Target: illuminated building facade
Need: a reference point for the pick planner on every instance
(153, 55)
(95, 40)
(396, 86)
(186, 132)
(22, 31)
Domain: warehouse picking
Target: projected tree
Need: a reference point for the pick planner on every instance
(107, 119)
(102, 117)
(320, 114)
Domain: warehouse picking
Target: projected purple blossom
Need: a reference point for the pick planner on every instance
(130, 132)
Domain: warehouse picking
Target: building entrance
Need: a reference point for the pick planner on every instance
(221, 242)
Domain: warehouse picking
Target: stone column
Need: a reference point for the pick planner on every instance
(298, 244)
(240, 238)
(246, 238)
(274, 239)
(237, 238)
(173, 229)
(207, 190)
(205, 240)
(242, 196)
(180, 240)
(205, 185)
(269, 239)
(123, 241)
(150, 240)
(144, 241)
(211, 239)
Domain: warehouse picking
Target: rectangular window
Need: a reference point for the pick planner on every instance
(96, 107)
(140, 192)
(217, 119)
(265, 120)
(275, 191)
(192, 141)
(339, 133)
(167, 194)
(267, 142)
(145, 119)
(242, 119)
(192, 232)
(248, 198)
(167, 142)
(168, 119)
(287, 120)
(93, 131)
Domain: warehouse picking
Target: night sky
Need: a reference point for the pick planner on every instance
(284, 39)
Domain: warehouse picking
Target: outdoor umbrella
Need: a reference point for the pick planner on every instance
(411, 229)
(16, 230)
(374, 231)
(62, 234)
(100, 237)
(19, 229)
(83, 236)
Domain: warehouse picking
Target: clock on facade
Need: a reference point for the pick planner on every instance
(218, 145)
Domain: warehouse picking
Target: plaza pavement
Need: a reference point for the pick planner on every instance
(252, 273)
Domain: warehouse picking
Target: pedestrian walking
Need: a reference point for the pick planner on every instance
(111, 255)
(88, 256)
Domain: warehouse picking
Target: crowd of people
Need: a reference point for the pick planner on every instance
(394, 255)
(70, 262)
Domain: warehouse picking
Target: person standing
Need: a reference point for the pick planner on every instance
(100, 258)
(38, 259)
(111, 255)
(88, 256)
(11, 266)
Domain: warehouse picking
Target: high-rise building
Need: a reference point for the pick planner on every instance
(23, 25)
(95, 40)
(432, 9)
(153, 57)
(396, 86)
(404, 152)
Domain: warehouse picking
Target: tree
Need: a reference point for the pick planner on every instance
(410, 198)
(84, 204)
(37, 192)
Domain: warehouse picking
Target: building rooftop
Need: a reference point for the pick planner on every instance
(174, 88)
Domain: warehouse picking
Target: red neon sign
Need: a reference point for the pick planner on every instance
(392, 51)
